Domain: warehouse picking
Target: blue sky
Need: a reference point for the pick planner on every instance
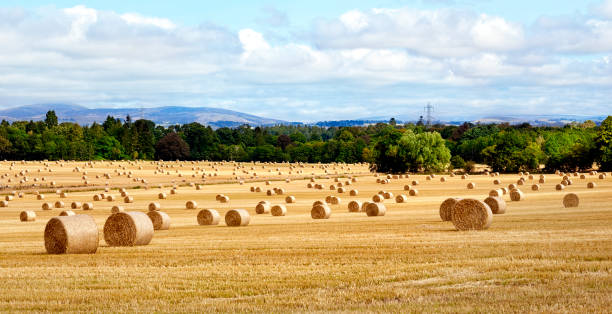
(315, 60)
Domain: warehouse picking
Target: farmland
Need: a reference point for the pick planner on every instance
(538, 256)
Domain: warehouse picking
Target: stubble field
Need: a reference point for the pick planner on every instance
(537, 257)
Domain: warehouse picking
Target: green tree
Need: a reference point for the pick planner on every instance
(51, 119)
(604, 143)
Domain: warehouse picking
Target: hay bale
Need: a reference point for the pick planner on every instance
(76, 205)
(471, 214)
(97, 198)
(535, 187)
(290, 199)
(602, 176)
(496, 193)
(497, 205)
(559, 187)
(128, 199)
(191, 205)
(401, 198)
(237, 217)
(224, 199)
(319, 203)
(40, 197)
(340, 190)
(8, 198)
(406, 187)
(263, 208)
(542, 180)
(117, 209)
(415, 182)
(378, 198)
(88, 206)
(354, 193)
(582, 176)
(67, 213)
(446, 208)
(160, 220)
(505, 190)
(128, 229)
(496, 182)
(512, 187)
(442, 179)
(571, 200)
(413, 192)
(208, 217)
(154, 206)
(471, 185)
(63, 195)
(591, 185)
(162, 196)
(27, 215)
(173, 191)
(354, 206)
(376, 209)
(270, 192)
(4, 204)
(517, 195)
(320, 212)
(110, 198)
(76, 234)
(279, 210)
(463, 177)
(59, 204)
(387, 195)
(335, 200)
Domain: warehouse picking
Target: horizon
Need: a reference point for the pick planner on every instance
(317, 62)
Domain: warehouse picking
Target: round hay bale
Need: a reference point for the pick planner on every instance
(258, 189)
(463, 177)
(4, 203)
(110, 198)
(117, 209)
(63, 195)
(77, 234)
(542, 180)
(497, 205)
(59, 204)
(413, 192)
(40, 197)
(375, 209)
(88, 206)
(442, 179)
(387, 195)
(520, 181)
(570, 200)
(496, 182)
(160, 220)
(401, 198)
(354, 193)
(559, 187)
(76, 205)
(406, 187)
(290, 199)
(224, 199)
(173, 191)
(446, 208)
(517, 195)
(237, 217)
(27, 215)
(162, 196)
(191, 205)
(378, 198)
(340, 190)
(128, 229)
(320, 212)
(319, 203)
(335, 200)
(471, 185)
(602, 176)
(67, 213)
(8, 198)
(154, 206)
(218, 197)
(505, 190)
(415, 182)
(496, 193)
(354, 206)
(582, 176)
(471, 214)
(279, 210)
(128, 199)
(270, 192)
(263, 208)
(512, 187)
(97, 198)
(535, 187)
(208, 217)
(591, 185)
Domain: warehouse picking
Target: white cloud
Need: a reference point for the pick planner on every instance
(82, 18)
(134, 18)
(496, 34)
(354, 20)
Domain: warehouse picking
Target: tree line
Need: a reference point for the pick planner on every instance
(388, 147)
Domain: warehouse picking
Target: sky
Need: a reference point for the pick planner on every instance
(312, 60)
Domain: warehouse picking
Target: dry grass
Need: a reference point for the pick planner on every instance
(537, 257)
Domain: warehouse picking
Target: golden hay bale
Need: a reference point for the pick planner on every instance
(471, 214)
(602, 176)
(375, 209)
(401, 198)
(463, 177)
(520, 181)
(290, 199)
(110, 198)
(341, 190)
(512, 187)
(353, 192)
(319, 203)
(542, 180)
(8, 198)
(263, 208)
(128, 199)
(237, 217)
(117, 209)
(310, 185)
(67, 213)
(413, 192)
(63, 195)
(559, 187)
(191, 205)
(77, 234)
(88, 206)
(162, 196)
(208, 217)
(571, 200)
(59, 204)
(497, 205)
(97, 198)
(335, 200)
(446, 208)
(153, 206)
(415, 182)
(517, 195)
(406, 187)
(76, 205)
(270, 192)
(442, 179)
(320, 212)
(387, 195)
(279, 210)
(173, 191)
(224, 199)
(4, 204)
(354, 206)
(428, 178)
(496, 193)
(40, 197)
(582, 176)
(471, 185)
(160, 220)
(27, 215)
(535, 187)
(268, 183)
(128, 229)
(591, 185)
(378, 198)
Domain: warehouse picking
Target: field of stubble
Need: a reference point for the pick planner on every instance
(538, 257)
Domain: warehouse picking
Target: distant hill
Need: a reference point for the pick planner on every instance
(168, 115)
